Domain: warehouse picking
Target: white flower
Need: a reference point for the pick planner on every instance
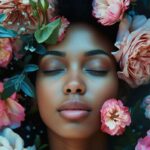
(9, 140)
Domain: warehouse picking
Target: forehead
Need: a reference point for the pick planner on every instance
(81, 38)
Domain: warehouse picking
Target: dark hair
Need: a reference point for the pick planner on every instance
(81, 11)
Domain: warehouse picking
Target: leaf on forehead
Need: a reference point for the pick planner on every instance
(48, 33)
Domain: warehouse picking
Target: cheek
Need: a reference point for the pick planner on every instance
(48, 99)
(103, 89)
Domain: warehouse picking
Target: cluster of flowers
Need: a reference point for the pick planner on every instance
(38, 18)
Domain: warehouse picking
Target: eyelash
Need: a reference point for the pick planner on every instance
(52, 72)
(97, 72)
(90, 71)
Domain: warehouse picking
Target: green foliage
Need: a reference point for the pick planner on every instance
(38, 143)
(5, 33)
(43, 4)
(2, 17)
(48, 33)
(20, 82)
(31, 68)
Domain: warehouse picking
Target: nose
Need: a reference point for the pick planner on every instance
(74, 87)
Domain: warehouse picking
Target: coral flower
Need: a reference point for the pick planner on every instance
(19, 16)
(108, 12)
(11, 112)
(5, 52)
(114, 117)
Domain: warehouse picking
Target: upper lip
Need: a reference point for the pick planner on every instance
(74, 105)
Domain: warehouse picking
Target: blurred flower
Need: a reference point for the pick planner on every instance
(9, 140)
(11, 112)
(5, 52)
(108, 12)
(114, 117)
(146, 106)
(133, 41)
(144, 143)
(64, 24)
(20, 16)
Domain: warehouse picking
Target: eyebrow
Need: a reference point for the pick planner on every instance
(97, 52)
(88, 53)
(55, 53)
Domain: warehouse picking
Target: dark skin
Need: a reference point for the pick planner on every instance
(81, 68)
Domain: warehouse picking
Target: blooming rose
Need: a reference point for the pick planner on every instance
(133, 41)
(11, 112)
(62, 29)
(5, 52)
(144, 143)
(109, 12)
(9, 140)
(114, 117)
(19, 16)
(146, 106)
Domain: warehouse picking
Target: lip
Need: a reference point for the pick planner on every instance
(74, 110)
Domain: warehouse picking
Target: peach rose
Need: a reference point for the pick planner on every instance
(11, 112)
(5, 52)
(114, 117)
(133, 42)
(9, 140)
(144, 143)
(108, 12)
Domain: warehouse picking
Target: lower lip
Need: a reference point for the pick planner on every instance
(74, 114)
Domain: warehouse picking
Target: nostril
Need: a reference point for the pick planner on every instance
(78, 90)
(68, 90)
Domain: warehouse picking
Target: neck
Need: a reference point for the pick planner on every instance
(96, 142)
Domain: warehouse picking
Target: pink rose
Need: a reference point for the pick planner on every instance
(64, 24)
(108, 12)
(144, 143)
(11, 112)
(114, 117)
(133, 41)
(5, 52)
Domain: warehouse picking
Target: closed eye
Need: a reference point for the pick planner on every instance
(96, 72)
(53, 72)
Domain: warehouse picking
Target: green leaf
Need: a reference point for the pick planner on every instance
(31, 68)
(48, 32)
(27, 87)
(33, 4)
(8, 92)
(2, 17)
(43, 147)
(43, 4)
(9, 87)
(5, 33)
(40, 49)
(37, 141)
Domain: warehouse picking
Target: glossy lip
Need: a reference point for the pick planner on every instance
(74, 105)
(74, 110)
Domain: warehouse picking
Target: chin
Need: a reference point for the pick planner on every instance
(75, 130)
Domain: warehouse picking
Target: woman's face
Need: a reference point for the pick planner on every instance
(76, 76)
